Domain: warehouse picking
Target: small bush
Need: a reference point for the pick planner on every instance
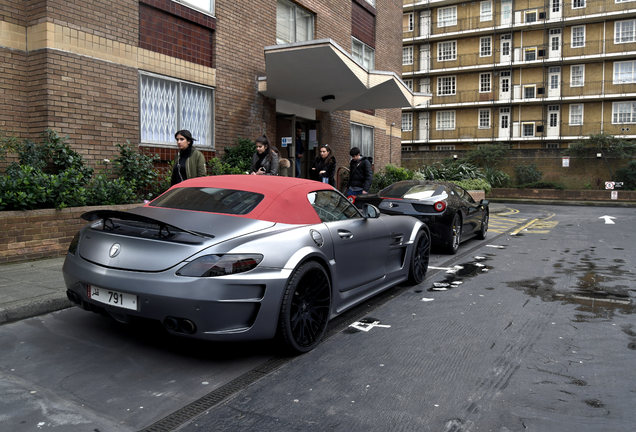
(390, 175)
(474, 184)
(138, 170)
(451, 169)
(541, 185)
(488, 156)
(497, 178)
(627, 175)
(527, 174)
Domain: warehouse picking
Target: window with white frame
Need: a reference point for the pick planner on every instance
(446, 85)
(623, 1)
(408, 22)
(577, 75)
(362, 137)
(485, 82)
(362, 53)
(485, 46)
(529, 91)
(484, 118)
(445, 120)
(530, 16)
(624, 31)
(293, 23)
(447, 16)
(204, 5)
(624, 112)
(625, 72)
(446, 50)
(576, 114)
(167, 105)
(485, 11)
(409, 83)
(407, 55)
(530, 54)
(578, 36)
(527, 129)
(407, 121)
(577, 4)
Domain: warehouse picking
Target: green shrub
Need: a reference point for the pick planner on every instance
(138, 170)
(474, 184)
(451, 170)
(389, 175)
(497, 178)
(487, 156)
(527, 174)
(541, 185)
(105, 191)
(627, 175)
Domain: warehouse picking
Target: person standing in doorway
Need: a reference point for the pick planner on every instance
(189, 162)
(300, 150)
(360, 173)
(265, 159)
(324, 167)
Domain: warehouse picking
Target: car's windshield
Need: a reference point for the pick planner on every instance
(228, 201)
(411, 191)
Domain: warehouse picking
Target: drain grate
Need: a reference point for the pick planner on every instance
(193, 409)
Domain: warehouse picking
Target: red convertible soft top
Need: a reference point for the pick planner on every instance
(285, 198)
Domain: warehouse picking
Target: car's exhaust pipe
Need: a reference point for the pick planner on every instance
(179, 325)
(74, 297)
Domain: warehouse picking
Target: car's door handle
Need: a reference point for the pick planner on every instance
(345, 234)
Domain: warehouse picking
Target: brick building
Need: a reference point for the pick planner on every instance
(526, 74)
(104, 72)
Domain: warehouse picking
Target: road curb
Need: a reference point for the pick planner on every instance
(33, 307)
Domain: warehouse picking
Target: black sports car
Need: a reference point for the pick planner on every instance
(450, 211)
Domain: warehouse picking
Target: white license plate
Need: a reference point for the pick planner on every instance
(112, 298)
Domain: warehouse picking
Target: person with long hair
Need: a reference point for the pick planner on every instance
(189, 162)
(265, 159)
(324, 166)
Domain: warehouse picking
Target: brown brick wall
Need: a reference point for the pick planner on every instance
(117, 19)
(94, 103)
(35, 234)
(188, 39)
(12, 11)
(13, 70)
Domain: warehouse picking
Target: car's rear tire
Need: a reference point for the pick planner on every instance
(481, 234)
(454, 235)
(305, 308)
(419, 257)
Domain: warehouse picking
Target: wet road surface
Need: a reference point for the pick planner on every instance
(531, 331)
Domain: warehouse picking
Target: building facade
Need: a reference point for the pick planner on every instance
(527, 74)
(106, 72)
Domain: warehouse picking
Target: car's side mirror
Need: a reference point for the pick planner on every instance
(483, 202)
(370, 211)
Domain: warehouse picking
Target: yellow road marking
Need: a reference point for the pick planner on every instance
(518, 230)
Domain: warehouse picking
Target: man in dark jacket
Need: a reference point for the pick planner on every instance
(360, 173)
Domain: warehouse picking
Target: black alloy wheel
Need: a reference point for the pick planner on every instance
(305, 308)
(419, 257)
(481, 234)
(454, 235)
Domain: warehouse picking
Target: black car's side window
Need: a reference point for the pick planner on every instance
(332, 206)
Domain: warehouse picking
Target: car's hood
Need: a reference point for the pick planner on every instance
(119, 249)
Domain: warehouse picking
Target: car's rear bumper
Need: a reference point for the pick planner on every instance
(237, 307)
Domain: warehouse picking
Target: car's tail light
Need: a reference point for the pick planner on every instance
(220, 265)
(72, 247)
(440, 206)
(352, 198)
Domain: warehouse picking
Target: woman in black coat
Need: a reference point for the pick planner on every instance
(324, 167)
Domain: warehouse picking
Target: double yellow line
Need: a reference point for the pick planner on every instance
(529, 224)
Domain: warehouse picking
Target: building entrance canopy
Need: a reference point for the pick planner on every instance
(319, 74)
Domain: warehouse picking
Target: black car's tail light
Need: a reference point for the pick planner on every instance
(72, 247)
(352, 198)
(220, 265)
(440, 206)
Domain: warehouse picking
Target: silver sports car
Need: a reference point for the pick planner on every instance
(243, 257)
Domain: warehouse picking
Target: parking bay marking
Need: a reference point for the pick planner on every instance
(537, 226)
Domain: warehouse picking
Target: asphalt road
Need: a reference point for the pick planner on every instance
(531, 329)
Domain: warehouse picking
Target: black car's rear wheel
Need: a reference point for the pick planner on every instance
(420, 257)
(481, 234)
(454, 235)
(305, 308)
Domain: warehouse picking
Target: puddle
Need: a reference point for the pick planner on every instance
(460, 273)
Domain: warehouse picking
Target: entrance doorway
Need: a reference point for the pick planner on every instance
(295, 133)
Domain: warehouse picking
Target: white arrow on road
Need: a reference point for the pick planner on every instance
(608, 219)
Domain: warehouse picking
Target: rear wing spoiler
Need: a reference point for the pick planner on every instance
(109, 215)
